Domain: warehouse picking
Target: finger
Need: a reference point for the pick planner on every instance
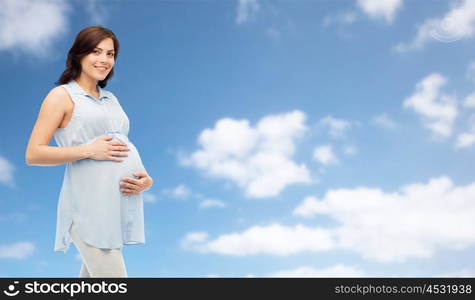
(129, 191)
(120, 148)
(131, 180)
(119, 153)
(114, 143)
(127, 185)
(115, 159)
(140, 174)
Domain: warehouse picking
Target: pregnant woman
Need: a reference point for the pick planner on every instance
(100, 204)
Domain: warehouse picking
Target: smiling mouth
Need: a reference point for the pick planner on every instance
(103, 69)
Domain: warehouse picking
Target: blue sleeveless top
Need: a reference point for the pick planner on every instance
(90, 195)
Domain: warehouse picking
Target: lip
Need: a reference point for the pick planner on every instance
(101, 69)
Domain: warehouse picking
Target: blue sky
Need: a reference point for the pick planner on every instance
(285, 138)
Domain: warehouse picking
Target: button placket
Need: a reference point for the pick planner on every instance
(104, 110)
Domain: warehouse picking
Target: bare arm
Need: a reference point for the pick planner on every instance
(51, 114)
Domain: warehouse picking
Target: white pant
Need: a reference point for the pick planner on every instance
(98, 262)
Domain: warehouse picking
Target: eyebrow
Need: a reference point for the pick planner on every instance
(103, 49)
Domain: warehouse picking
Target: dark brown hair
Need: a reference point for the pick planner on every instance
(85, 42)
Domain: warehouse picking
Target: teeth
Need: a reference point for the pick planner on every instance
(103, 68)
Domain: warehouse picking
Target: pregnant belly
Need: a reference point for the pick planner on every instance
(103, 175)
(95, 188)
(130, 164)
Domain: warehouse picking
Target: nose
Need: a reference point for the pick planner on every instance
(103, 58)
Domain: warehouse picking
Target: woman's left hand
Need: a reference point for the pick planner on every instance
(132, 186)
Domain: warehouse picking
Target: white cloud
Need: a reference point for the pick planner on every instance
(456, 24)
(324, 154)
(97, 12)
(16, 217)
(338, 127)
(467, 139)
(437, 109)
(308, 208)
(18, 250)
(256, 159)
(193, 240)
(273, 239)
(384, 121)
(246, 9)
(380, 9)
(6, 172)
(273, 33)
(391, 227)
(333, 271)
(342, 18)
(385, 10)
(183, 192)
(413, 222)
(469, 101)
(459, 273)
(471, 71)
(31, 26)
(180, 191)
(350, 150)
(149, 197)
(212, 203)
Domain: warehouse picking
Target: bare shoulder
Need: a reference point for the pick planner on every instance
(55, 105)
(58, 97)
(58, 92)
(50, 116)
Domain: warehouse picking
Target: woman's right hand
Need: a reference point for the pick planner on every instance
(104, 149)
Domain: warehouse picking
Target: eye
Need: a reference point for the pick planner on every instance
(95, 51)
(111, 54)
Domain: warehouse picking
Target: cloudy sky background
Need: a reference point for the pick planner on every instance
(285, 138)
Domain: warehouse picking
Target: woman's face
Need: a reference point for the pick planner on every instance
(98, 63)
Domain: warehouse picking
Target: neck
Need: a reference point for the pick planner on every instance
(87, 83)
